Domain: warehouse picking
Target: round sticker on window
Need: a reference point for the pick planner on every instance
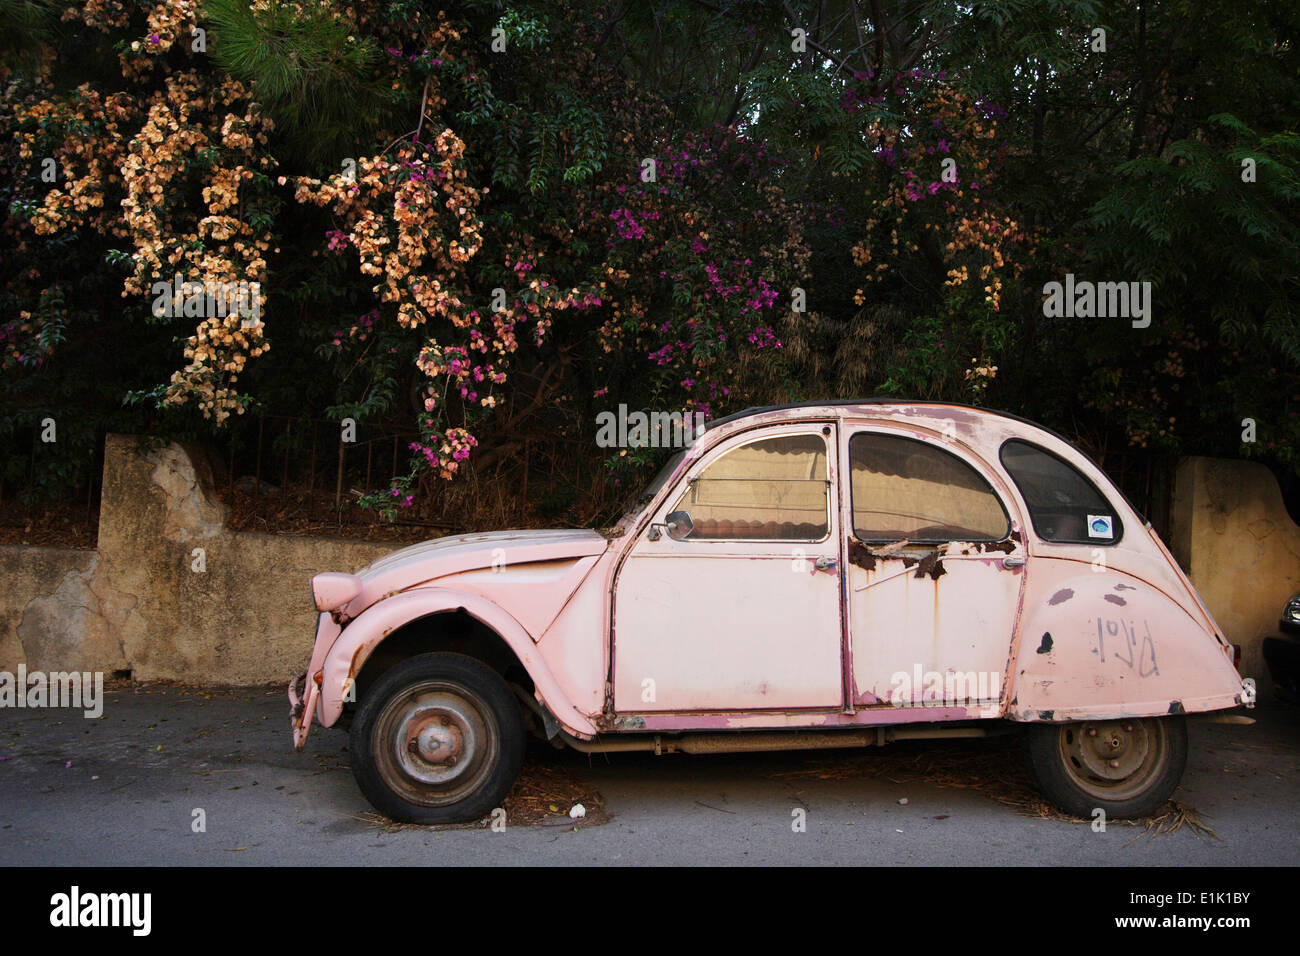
(1100, 526)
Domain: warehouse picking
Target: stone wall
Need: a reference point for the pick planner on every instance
(1233, 536)
(170, 592)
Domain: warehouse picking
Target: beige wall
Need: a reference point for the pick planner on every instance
(1233, 536)
(136, 603)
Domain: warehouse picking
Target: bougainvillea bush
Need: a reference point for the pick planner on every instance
(481, 226)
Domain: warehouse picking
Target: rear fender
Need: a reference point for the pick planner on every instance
(1106, 645)
(359, 639)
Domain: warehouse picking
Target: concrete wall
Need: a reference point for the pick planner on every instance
(57, 607)
(1233, 536)
(138, 603)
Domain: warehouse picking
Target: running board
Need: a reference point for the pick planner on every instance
(754, 742)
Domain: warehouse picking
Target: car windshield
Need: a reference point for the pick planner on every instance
(638, 499)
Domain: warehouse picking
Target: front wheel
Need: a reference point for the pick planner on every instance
(1127, 767)
(437, 739)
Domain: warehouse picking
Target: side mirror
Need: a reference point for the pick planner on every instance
(680, 525)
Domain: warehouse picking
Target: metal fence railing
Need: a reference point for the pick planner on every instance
(71, 471)
(313, 451)
(273, 459)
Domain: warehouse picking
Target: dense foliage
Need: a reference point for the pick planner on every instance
(487, 224)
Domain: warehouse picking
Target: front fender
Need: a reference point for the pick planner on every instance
(368, 630)
(1107, 645)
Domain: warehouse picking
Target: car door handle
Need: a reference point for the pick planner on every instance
(826, 564)
(1013, 562)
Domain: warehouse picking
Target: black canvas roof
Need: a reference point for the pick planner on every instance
(873, 400)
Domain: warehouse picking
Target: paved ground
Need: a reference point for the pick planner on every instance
(123, 789)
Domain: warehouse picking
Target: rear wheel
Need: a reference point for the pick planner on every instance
(1127, 767)
(437, 739)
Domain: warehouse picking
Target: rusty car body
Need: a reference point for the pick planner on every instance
(803, 576)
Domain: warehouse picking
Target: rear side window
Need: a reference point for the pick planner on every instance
(1063, 504)
(904, 488)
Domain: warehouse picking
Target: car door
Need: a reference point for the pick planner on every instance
(936, 566)
(744, 613)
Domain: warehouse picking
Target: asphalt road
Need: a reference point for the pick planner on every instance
(123, 790)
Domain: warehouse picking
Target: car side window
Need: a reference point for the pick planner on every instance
(902, 488)
(1064, 505)
(774, 489)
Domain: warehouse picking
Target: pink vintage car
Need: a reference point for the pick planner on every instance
(819, 575)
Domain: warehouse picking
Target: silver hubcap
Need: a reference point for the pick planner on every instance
(437, 743)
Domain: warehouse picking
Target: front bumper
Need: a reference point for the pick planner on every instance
(302, 706)
(304, 690)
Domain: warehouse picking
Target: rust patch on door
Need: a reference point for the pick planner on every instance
(1006, 547)
(931, 564)
(861, 556)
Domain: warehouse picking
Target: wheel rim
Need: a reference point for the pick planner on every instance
(1113, 759)
(436, 742)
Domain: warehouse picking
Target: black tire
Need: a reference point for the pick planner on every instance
(431, 705)
(1127, 767)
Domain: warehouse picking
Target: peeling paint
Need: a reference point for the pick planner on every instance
(1114, 599)
(358, 657)
(1045, 647)
(1061, 596)
(606, 723)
